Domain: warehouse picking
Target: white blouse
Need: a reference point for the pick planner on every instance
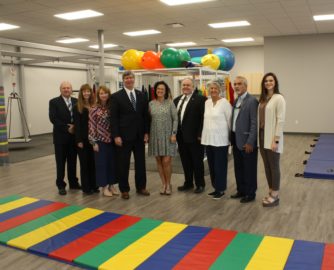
(217, 123)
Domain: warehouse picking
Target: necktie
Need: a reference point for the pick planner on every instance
(133, 101)
(69, 105)
(180, 109)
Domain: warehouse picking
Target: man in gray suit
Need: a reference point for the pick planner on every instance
(244, 142)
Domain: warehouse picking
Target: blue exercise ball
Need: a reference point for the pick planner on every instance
(226, 58)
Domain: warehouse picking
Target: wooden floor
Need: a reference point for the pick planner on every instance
(305, 212)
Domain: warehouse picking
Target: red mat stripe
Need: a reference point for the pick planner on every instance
(206, 252)
(16, 221)
(328, 259)
(94, 238)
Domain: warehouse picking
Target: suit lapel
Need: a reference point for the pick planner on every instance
(189, 104)
(126, 98)
(64, 105)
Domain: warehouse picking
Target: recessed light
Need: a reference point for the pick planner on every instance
(105, 46)
(181, 44)
(183, 2)
(232, 40)
(142, 33)
(327, 17)
(6, 26)
(175, 25)
(71, 40)
(77, 15)
(229, 24)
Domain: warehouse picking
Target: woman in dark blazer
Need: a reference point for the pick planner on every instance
(86, 101)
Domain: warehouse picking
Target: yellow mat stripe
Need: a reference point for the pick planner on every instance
(34, 237)
(139, 251)
(16, 204)
(272, 254)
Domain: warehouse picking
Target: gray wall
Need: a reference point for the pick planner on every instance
(304, 66)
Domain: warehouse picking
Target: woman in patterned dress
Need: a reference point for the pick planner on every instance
(103, 146)
(163, 130)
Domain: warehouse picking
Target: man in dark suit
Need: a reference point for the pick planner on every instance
(61, 116)
(244, 142)
(129, 128)
(190, 107)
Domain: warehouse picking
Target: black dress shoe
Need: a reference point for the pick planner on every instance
(237, 195)
(62, 191)
(199, 189)
(184, 188)
(88, 192)
(75, 187)
(247, 199)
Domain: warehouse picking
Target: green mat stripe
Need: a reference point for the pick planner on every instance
(101, 253)
(238, 253)
(9, 199)
(37, 223)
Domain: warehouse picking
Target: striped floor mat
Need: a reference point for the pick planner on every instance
(95, 239)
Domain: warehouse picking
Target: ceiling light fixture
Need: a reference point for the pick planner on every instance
(71, 40)
(175, 25)
(105, 46)
(6, 26)
(181, 44)
(327, 17)
(233, 40)
(142, 33)
(183, 2)
(77, 15)
(229, 24)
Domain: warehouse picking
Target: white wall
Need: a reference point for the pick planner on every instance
(304, 66)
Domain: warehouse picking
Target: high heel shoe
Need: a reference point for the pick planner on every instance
(113, 190)
(163, 190)
(168, 190)
(271, 201)
(107, 192)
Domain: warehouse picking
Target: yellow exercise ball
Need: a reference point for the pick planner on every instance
(211, 61)
(131, 59)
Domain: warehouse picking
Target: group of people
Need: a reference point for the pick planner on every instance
(105, 130)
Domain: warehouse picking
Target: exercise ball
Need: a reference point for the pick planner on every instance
(211, 61)
(131, 59)
(197, 59)
(185, 56)
(171, 58)
(228, 55)
(151, 60)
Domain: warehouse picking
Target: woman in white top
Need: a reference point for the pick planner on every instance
(271, 117)
(215, 136)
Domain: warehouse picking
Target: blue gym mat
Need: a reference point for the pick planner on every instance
(321, 162)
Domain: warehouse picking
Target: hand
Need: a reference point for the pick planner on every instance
(118, 141)
(274, 147)
(248, 148)
(173, 138)
(70, 128)
(146, 138)
(96, 147)
(80, 145)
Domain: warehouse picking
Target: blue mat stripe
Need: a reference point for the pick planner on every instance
(171, 253)
(64, 238)
(305, 255)
(23, 209)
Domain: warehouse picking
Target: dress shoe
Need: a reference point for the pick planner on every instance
(184, 188)
(96, 190)
(62, 191)
(213, 193)
(125, 195)
(247, 199)
(237, 195)
(218, 195)
(88, 192)
(199, 189)
(143, 192)
(75, 187)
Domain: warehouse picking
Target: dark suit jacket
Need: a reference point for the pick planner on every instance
(246, 122)
(127, 123)
(192, 123)
(60, 117)
(81, 125)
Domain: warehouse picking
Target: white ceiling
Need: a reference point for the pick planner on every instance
(267, 18)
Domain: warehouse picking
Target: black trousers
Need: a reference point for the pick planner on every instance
(192, 155)
(123, 156)
(87, 167)
(66, 154)
(245, 170)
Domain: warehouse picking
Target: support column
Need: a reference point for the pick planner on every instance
(101, 51)
(157, 47)
(4, 154)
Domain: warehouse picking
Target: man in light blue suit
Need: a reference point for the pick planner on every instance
(244, 142)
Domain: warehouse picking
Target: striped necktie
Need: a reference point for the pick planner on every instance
(180, 109)
(69, 106)
(133, 101)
